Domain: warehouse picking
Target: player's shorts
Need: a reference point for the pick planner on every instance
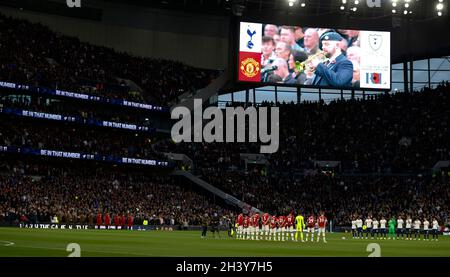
(382, 230)
(408, 230)
(375, 231)
(240, 228)
(359, 229)
(417, 231)
(321, 230)
(426, 232)
(290, 228)
(273, 230)
(310, 229)
(282, 229)
(399, 230)
(256, 229)
(368, 230)
(265, 228)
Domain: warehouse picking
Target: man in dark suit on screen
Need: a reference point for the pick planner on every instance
(337, 71)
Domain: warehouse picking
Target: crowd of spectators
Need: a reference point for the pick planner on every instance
(392, 133)
(339, 197)
(80, 110)
(40, 134)
(37, 192)
(30, 53)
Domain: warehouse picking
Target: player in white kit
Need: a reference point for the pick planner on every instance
(353, 228)
(359, 224)
(435, 229)
(368, 226)
(426, 226)
(417, 229)
(375, 228)
(408, 228)
(400, 223)
(383, 234)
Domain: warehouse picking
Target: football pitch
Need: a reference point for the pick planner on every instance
(15, 242)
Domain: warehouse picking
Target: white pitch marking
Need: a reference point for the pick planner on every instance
(6, 243)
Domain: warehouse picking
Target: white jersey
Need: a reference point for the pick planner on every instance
(400, 223)
(435, 225)
(353, 224)
(369, 223)
(417, 224)
(408, 223)
(426, 225)
(375, 224)
(383, 224)
(359, 223)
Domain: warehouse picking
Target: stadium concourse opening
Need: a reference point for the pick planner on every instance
(359, 124)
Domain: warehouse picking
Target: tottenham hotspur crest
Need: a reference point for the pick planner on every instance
(250, 34)
(375, 42)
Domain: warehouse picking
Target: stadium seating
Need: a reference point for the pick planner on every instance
(34, 192)
(32, 54)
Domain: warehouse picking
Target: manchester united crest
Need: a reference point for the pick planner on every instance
(250, 67)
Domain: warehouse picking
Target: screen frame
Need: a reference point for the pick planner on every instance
(261, 84)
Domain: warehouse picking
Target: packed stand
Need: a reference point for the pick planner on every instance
(339, 197)
(37, 134)
(32, 54)
(37, 192)
(402, 132)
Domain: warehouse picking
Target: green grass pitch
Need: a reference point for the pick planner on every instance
(16, 242)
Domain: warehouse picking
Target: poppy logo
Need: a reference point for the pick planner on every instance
(73, 3)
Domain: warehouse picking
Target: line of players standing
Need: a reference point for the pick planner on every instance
(279, 228)
(394, 229)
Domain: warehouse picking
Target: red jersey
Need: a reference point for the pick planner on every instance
(322, 221)
(273, 222)
(130, 221)
(310, 222)
(123, 221)
(116, 220)
(107, 220)
(240, 219)
(255, 220)
(245, 222)
(290, 220)
(281, 221)
(265, 219)
(99, 219)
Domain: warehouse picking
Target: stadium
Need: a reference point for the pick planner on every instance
(225, 128)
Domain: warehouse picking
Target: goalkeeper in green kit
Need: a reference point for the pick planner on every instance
(392, 223)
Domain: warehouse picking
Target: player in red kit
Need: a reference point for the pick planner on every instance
(310, 225)
(290, 226)
(255, 226)
(123, 221)
(99, 219)
(116, 220)
(322, 222)
(273, 227)
(107, 220)
(245, 225)
(265, 226)
(240, 230)
(281, 227)
(130, 222)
